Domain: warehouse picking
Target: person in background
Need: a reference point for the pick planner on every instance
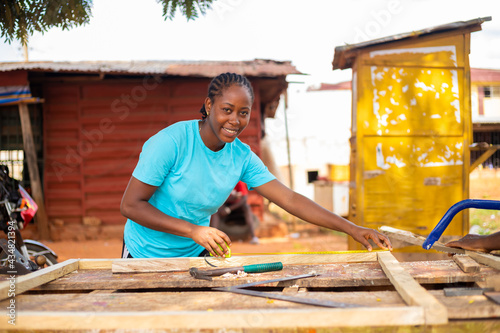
(483, 243)
(186, 172)
(237, 200)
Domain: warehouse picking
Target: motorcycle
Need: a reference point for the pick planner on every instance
(17, 209)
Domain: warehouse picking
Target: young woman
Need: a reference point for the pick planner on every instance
(186, 172)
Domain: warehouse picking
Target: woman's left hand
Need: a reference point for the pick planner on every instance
(362, 235)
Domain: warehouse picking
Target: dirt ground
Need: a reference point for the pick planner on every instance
(484, 184)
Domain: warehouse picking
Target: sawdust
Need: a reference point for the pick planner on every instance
(238, 275)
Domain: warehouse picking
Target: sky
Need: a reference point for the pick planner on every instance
(303, 32)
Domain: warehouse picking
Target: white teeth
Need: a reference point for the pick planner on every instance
(230, 130)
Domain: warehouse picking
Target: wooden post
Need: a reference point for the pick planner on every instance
(36, 185)
(37, 278)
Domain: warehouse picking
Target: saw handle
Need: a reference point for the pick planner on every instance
(262, 268)
(450, 214)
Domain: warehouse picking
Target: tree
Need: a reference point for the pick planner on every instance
(19, 19)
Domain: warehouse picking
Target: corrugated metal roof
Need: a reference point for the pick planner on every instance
(344, 54)
(256, 68)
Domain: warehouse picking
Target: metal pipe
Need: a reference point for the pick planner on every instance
(290, 172)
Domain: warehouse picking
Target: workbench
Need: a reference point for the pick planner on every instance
(160, 295)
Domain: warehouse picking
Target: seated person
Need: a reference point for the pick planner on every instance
(236, 200)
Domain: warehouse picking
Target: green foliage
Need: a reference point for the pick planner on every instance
(483, 221)
(20, 19)
(189, 8)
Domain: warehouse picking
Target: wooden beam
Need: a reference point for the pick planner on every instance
(37, 278)
(229, 319)
(95, 263)
(414, 239)
(485, 259)
(466, 263)
(413, 293)
(183, 264)
(36, 185)
(482, 258)
(483, 157)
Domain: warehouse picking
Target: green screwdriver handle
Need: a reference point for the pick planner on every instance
(261, 268)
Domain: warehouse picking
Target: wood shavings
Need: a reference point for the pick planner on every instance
(240, 274)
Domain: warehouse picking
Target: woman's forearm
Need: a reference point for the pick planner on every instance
(492, 242)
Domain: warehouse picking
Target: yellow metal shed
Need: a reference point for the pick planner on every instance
(411, 127)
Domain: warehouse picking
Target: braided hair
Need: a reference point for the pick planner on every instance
(223, 81)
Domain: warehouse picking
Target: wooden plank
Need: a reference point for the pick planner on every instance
(466, 263)
(490, 282)
(35, 279)
(183, 264)
(334, 275)
(191, 301)
(151, 265)
(467, 307)
(230, 319)
(412, 292)
(463, 307)
(414, 239)
(484, 156)
(485, 259)
(36, 185)
(95, 263)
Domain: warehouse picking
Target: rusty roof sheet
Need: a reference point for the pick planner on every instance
(256, 68)
(484, 75)
(344, 55)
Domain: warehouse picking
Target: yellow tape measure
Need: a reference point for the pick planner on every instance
(321, 252)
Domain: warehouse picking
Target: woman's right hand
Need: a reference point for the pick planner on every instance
(210, 238)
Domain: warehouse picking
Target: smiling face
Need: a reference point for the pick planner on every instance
(229, 114)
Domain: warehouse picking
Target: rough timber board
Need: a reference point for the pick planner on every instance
(35, 279)
(485, 259)
(411, 238)
(193, 301)
(331, 275)
(469, 307)
(412, 292)
(230, 319)
(466, 263)
(183, 264)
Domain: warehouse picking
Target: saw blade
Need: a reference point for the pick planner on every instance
(414, 239)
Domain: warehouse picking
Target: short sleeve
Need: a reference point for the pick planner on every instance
(256, 173)
(157, 158)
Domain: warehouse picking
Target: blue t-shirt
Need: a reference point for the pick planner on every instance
(193, 182)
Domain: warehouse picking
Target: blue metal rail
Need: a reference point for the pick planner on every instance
(450, 214)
